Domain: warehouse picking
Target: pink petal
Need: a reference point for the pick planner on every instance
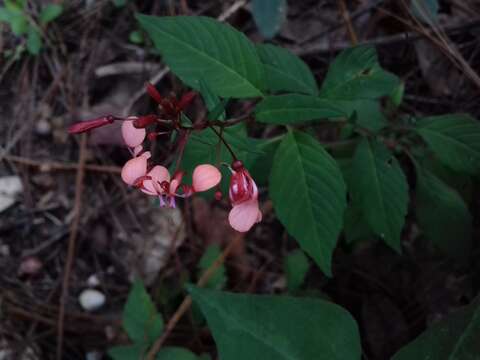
(158, 174)
(205, 177)
(176, 181)
(131, 135)
(134, 169)
(137, 150)
(244, 215)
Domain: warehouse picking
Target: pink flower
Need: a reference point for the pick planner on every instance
(157, 181)
(132, 136)
(205, 177)
(135, 168)
(243, 193)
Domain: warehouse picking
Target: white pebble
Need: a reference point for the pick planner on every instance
(91, 299)
(93, 281)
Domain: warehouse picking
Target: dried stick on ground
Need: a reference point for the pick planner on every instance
(71, 242)
(187, 302)
(348, 22)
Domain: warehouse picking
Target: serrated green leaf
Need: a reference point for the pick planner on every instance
(455, 140)
(356, 74)
(196, 47)
(269, 16)
(309, 195)
(453, 338)
(175, 353)
(442, 215)
(34, 41)
(127, 352)
(284, 71)
(278, 327)
(296, 266)
(141, 320)
(295, 109)
(380, 190)
(218, 279)
(50, 13)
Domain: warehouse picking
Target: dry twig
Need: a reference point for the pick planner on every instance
(187, 302)
(71, 242)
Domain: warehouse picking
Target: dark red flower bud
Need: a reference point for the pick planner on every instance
(218, 195)
(84, 126)
(186, 100)
(152, 136)
(143, 121)
(237, 165)
(168, 108)
(154, 94)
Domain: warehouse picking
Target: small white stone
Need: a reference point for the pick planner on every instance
(91, 299)
(10, 186)
(93, 355)
(93, 280)
(43, 127)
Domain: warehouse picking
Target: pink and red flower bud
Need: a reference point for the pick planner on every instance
(84, 126)
(153, 92)
(243, 193)
(144, 121)
(186, 100)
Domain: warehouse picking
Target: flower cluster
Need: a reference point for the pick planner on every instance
(156, 180)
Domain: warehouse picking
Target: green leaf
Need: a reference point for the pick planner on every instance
(128, 352)
(455, 140)
(218, 279)
(295, 109)
(443, 215)
(259, 163)
(50, 13)
(278, 327)
(269, 16)
(119, 3)
(396, 97)
(368, 113)
(4, 14)
(17, 20)
(380, 190)
(356, 74)
(141, 320)
(355, 226)
(212, 101)
(285, 71)
(453, 338)
(175, 353)
(197, 47)
(34, 41)
(309, 195)
(136, 37)
(296, 266)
